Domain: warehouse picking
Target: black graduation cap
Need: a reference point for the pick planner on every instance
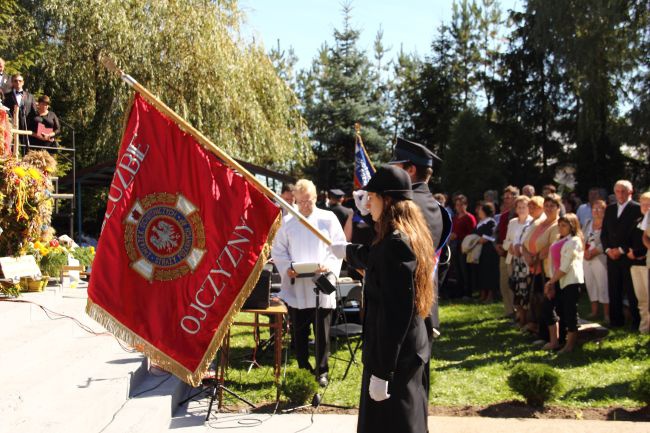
(336, 193)
(409, 151)
(392, 181)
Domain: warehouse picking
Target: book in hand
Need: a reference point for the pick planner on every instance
(42, 130)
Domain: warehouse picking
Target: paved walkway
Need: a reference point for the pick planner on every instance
(190, 423)
(191, 419)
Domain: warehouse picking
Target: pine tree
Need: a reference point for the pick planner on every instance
(472, 165)
(427, 98)
(594, 45)
(464, 32)
(343, 88)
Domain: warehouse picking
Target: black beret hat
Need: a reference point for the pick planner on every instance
(336, 193)
(408, 151)
(391, 181)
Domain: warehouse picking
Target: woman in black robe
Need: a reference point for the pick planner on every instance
(398, 295)
(487, 269)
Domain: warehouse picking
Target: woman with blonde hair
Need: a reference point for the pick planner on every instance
(517, 268)
(398, 296)
(595, 261)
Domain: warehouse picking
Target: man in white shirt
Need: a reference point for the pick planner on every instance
(294, 243)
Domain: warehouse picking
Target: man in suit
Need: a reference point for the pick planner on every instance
(618, 226)
(335, 205)
(21, 98)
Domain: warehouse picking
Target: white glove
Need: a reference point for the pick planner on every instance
(378, 389)
(361, 201)
(338, 249)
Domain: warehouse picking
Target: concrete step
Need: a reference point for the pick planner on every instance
(151, 406)
(56, 377)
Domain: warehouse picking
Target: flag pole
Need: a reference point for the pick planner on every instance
(357, 129)
(187, 127)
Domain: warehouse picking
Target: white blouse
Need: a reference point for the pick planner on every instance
(572, 255)
(513, 236)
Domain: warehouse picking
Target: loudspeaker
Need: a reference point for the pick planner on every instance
(259, 298)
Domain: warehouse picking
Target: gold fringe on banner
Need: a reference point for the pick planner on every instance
(163, 360)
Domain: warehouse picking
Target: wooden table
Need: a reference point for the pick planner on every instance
(277, 312)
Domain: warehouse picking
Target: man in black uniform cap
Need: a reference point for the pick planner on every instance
(341, 212)
(417, 161)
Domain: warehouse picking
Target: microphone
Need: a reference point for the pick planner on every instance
(325, 282)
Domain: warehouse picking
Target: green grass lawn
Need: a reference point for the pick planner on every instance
(471, 362)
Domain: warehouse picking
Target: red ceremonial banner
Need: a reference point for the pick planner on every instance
(5, 132)
(183, 243)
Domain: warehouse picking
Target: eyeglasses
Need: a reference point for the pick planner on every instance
(18, 81)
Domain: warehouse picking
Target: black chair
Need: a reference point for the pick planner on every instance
(343, 329)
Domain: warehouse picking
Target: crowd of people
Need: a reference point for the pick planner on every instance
(536, 253)
(389, 241)
(539, 251)
(34, 114)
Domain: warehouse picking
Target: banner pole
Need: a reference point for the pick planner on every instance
(187, 127)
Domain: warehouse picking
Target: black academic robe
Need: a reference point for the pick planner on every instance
(395, 343)
(487, 270)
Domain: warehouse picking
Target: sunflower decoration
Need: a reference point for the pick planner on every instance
(25, 199)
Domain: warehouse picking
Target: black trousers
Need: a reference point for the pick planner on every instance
(461, 269)
(301, 321)
(620, 284)
(539, 309)
(563, 308)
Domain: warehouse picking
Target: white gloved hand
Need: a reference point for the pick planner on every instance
(378, 389)
(338, 249)
(361, 201)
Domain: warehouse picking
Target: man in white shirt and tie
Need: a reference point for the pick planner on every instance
(19, 97)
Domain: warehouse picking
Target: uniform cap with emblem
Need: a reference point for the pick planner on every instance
(336, 193)
(408, 151)
(392, 181)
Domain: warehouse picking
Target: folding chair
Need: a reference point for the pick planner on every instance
(352, 304)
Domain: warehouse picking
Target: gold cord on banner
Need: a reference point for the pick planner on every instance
(165, 361)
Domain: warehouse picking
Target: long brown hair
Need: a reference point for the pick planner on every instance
(574, 225)
(405, 216)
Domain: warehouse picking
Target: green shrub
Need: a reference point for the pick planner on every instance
(640, 387)
(537, 383)
(299, 386)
